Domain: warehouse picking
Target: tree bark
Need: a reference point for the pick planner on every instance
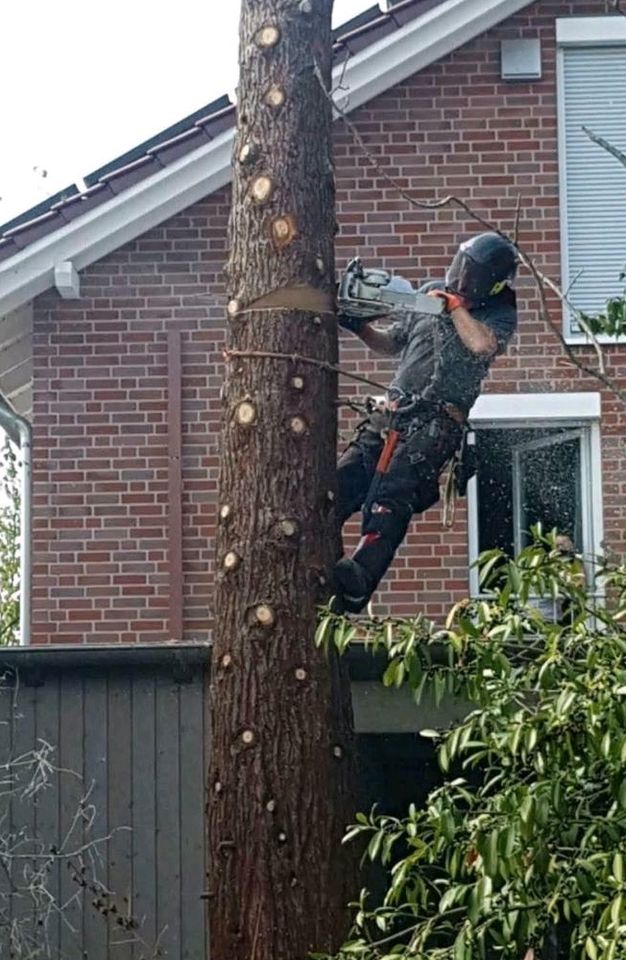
(279, 787)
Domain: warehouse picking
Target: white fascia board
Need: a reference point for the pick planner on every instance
(511, 407)
(199, 174)
(590, 31)
(120, 220)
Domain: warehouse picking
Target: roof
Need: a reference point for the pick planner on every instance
(191, 159)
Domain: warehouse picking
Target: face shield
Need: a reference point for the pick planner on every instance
(482, 267)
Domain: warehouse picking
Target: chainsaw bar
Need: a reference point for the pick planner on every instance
(367, 294)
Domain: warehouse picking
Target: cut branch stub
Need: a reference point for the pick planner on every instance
(261, 189)
(268, 36)
(297, 383)
(289, 527)
(248, 153)
(283, 231)
(245, 413)
(233, 308)
(275, 96)
(265, 615)
(231, 560)
(225, 511)
(298, 425)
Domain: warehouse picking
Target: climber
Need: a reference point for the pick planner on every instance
(392, 466)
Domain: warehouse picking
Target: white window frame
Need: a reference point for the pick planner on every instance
(578, 32)
(524, 410)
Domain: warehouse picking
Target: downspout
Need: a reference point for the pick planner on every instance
(20, 432)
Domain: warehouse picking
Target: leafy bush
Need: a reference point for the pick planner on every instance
(521, 852)
(9, 547)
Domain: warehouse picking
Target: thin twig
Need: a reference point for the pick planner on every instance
(545, 312)
(298, 358)
(518, 212)
(605, 143)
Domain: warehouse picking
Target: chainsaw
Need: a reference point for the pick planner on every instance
(365, 295)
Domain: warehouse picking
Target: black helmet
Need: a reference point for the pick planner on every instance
(482, 267)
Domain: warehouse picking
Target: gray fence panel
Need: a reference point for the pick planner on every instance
(168, 814)
(120, 803)
(95, 771)
(130, 739)
(192, 826)
(143, 732)
(47, 732)
(71, 802)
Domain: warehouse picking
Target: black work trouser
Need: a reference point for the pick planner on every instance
(410, 485)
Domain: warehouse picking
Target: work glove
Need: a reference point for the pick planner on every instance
(452, 300)
(353, 324)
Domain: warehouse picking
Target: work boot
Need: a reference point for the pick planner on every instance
(357, 578)
(351, 586)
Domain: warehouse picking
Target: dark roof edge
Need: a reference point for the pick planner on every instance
(52, 657)
(181, 126)
(39, 209)
(38, 660)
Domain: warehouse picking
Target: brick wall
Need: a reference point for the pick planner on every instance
(100, 423)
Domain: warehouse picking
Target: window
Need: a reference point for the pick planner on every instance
(591, 93)
(538, 461)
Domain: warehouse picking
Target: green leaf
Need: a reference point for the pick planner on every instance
(430, 734)
(460, 951)
(616, 910)
(323, 631)
(591, 949)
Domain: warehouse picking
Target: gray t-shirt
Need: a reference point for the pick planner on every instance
(435, 363)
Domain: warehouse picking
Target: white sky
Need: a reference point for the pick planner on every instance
(83, 82)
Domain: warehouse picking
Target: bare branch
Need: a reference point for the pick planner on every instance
(605, 143)
(518, 211)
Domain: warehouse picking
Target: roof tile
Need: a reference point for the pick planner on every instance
(28, 232)
(369, 33)
(76, 206)
(215, 123)
(180, 145)
(131, 173)
(7, 248)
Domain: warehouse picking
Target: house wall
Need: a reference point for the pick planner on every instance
(101, 567)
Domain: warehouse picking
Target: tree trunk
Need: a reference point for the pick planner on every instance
(280, 778)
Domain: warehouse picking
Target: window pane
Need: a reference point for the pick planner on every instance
(593, 95)
(549, 485)
(545, 466)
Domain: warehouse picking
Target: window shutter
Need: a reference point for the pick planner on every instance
(593, 95)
